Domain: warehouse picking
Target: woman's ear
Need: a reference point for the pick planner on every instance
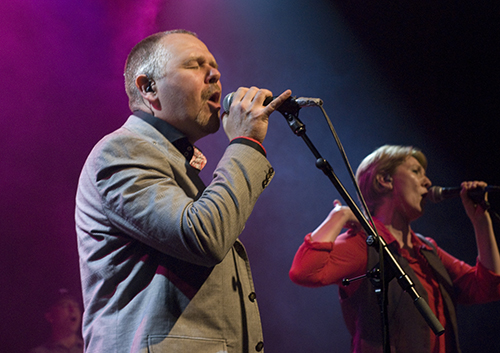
(385, 182)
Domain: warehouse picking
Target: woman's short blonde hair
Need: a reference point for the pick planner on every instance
(383, 161)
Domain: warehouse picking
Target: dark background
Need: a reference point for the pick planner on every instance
(423, 74)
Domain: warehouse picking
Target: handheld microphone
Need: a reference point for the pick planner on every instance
(438, 193)
(290, 105)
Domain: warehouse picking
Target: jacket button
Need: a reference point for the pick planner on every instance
(259, 346)
(252, 296)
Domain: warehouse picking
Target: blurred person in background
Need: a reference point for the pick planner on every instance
(64, 316)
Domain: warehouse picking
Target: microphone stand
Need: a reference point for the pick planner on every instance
(291, 113)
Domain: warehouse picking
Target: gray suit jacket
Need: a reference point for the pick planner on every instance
(162, 269)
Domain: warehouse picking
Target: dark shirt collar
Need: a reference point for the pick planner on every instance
(174, 136)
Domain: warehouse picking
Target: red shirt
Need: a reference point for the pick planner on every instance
(323, 263)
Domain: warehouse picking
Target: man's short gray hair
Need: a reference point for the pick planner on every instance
(148, 57)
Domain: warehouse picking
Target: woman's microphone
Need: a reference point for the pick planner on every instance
(439, 193)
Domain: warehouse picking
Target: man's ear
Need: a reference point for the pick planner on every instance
(145, 85)
(385, 182)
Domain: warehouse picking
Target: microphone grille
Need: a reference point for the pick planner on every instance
(435, 194)
(309, 102)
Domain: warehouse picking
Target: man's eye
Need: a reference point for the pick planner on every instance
(193, 64)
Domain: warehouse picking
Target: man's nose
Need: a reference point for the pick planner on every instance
(213, 76)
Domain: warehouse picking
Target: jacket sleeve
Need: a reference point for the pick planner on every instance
(143, 192)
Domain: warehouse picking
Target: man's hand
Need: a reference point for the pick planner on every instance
(248, 117)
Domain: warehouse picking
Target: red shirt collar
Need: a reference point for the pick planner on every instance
(389, 238)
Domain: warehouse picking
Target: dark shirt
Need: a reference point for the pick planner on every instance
(180, 141)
